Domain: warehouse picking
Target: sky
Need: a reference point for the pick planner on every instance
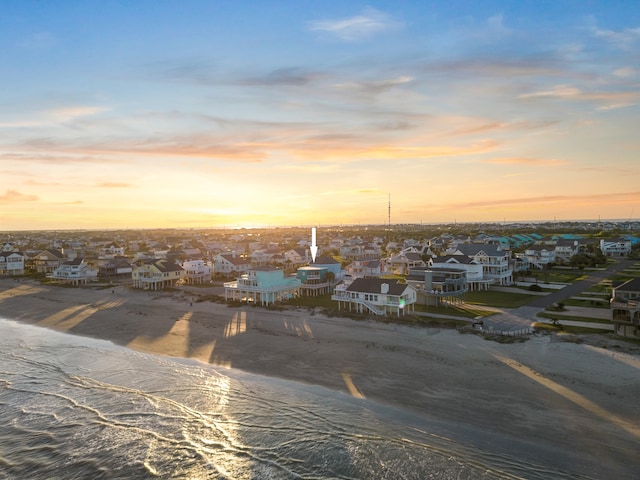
(217, 113)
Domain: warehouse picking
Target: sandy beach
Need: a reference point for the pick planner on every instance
(573, 396)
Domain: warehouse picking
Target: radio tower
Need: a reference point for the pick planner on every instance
(389, 213)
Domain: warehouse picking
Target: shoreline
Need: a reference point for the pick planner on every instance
(568, 395)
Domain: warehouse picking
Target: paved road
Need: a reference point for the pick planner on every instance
(522, 317)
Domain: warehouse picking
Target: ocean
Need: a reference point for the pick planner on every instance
(80, 408)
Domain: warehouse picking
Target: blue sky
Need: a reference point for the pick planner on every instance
(213, 113)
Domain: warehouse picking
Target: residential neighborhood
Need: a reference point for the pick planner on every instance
(372, 269)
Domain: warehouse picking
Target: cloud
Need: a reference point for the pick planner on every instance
(625, 72)
(114, 185)
(288, 76)
(375, 87)
(50, 158)
(364, 25)
(354, 191)
(612, 99)
(496, 25)
(623, 39)
(556, 91)
(627, 198)
(66, 114)
(13, 196)
(534, 162)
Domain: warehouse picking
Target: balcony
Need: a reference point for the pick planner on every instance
(622, 304)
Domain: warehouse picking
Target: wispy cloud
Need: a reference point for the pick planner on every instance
(13, 196)
(114, 185)
(608, 100)
(367, 23)
(534, 162)
(373, 87)
(56, 159)
(560, 91)
(625, 72)
(624, 39)
(286, 76)
(626, 198)
(69, 113)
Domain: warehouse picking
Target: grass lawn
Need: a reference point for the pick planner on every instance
(600, 287)
(595, 303)
(557, 276)
(560, 317)
(538, 326)
(493, 298)
(452, 310)
(312, 302)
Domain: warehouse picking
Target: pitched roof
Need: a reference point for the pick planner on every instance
(325, 260)
(632, 285)
(54, 252)
(165, 266)
(462, 259)
(374, 285)
(234, 259)
(472, 250)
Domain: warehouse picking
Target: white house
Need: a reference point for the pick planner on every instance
(474, 271)
(538, 256)
(617, 247)
(196, 271)
(380, 296)
(230, 263)
(565, 249)
(403, 262)
(75, 271)
(364, 268)
(297, 256)
(112, 250)
(11, 263)
(494, 261)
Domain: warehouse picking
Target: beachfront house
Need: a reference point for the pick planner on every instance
(74, 272)
(11, 264)
(262, 285)
(153, 274)
(473, 269)
(196, 272)
(48, 260)
(314, 280)
(114, 267)
(380, 296)
(437, 286)
(625, 308)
